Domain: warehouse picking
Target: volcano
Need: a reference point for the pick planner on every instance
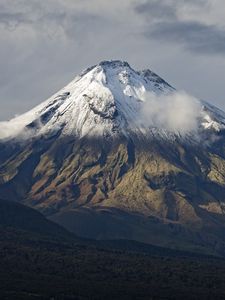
(120, 154)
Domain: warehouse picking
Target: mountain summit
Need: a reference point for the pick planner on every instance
(119, 153)
(110, 100)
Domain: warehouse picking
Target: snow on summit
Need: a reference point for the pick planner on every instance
(111, 99)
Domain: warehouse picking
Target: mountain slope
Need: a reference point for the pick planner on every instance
(89, 159)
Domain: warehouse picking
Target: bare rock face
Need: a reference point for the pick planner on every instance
(88, 159)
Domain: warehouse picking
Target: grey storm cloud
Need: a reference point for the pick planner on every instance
(48, 17)
(195, 36)
(166, 8)
(12, 19)
(164, 23)
(156, 10)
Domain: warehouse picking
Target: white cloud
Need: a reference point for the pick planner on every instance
(177, 112)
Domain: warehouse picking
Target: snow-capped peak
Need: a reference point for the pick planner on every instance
(104, 100)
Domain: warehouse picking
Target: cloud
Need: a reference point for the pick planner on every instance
(11, 129)
(166, 23)
(156, 10)
(44, 44)
(175, 112)
(167, 9)
(49, 18)
(193, 36)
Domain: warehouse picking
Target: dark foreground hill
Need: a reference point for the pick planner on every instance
(57, 265)
(21, 218)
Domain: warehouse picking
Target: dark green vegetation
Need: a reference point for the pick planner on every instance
(46, 262)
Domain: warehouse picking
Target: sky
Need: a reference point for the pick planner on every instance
(45, 44)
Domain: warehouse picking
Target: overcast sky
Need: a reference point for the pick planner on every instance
(44, 44)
